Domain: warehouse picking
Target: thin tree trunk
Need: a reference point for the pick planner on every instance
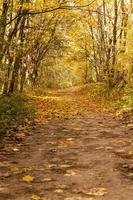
(86, 64)
(115, 32)
(3, 20)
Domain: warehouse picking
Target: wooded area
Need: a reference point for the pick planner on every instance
(64, 43)
(66, 99)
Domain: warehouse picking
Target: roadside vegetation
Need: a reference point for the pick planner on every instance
(120, 99)
(14, 111)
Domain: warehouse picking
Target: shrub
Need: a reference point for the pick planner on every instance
(98, 90)
(119, 98)
(14, 111)
(125, 104)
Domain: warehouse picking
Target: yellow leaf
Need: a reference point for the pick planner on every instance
(35, 197)
(28, 179)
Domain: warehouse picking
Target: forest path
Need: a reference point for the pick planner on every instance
(82, 154)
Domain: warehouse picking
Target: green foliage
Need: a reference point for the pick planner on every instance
(97, 90)
(14, 111)
(119, 98)
(125, 103)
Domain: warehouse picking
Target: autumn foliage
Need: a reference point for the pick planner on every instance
(59, 44)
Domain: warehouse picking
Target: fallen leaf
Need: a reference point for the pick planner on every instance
(70, 139)
(35, 197)
(15, 149)
(28, 179)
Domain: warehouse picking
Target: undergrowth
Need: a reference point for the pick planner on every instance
(119, 98)
(14, 111)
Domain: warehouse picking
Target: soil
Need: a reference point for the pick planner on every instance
(79, 157)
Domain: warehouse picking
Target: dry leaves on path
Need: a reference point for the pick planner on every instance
(58, 105)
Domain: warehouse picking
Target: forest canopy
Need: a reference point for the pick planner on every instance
(61, 43)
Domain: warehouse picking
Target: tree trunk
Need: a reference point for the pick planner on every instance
(3, 20)
(115, 32)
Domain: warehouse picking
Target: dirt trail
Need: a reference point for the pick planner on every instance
(79, 157)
